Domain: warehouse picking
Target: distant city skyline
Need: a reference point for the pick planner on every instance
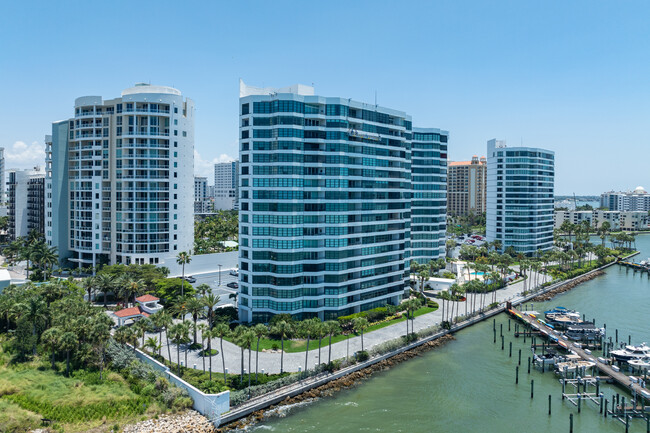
(544, 75)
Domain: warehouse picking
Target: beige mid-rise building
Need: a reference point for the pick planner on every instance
(466, 186)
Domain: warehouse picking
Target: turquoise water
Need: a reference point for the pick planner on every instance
(469, 384)
(478, 273)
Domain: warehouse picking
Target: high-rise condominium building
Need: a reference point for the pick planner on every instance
(520, 184)
(3, 184)
(328, 225)
(25, 196)
(637, 200)
(466, 186)
(120, 178)
(226, 184)
(200, 188)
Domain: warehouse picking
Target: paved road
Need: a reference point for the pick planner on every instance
(270, 361)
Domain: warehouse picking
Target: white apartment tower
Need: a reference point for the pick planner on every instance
(119, 182)
(520, 184)
(226, 185)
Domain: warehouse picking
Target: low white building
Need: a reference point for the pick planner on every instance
(634, 220)
(573, 216)
(613, 217)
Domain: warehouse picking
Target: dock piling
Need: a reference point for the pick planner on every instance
(501, 329)
(570, 423)
(529, 365)
(510, 354)
(508, 325)
(519, 362)
(579, 402)
(563, 387)
(532, 388)
(605, 409)
(549, 404)
(517, 375)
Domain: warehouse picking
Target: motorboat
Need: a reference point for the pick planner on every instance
(550, 357)
(629, 353)
(641, 363)
(561, 317)
(584, 332)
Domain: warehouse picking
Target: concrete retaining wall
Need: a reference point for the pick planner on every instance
(209, 405)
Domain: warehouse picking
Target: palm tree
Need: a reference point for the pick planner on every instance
(153, 344)
(158, 320)
(307, 329)
(203, 289)
(210, 301)
(319, 331)
(333, 328)
(51, 339)
(260, 332)
(67, 343)
(178, 332)
(36, 312)
(179, 308)
(183, 258)
(210, 334)
(360, 324)
(131, 287)
(222, 331)
(104, 283)
(284, 329)
(203, 328)
(142, 326)
(196, 308)
(424, 276)
(89, 284)
(247, 339)
(238, 338)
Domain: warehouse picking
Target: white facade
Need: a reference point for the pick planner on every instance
(613, 217)
(25, 201)
(637, 200)
(120, 178)
(200, 188)
(634, 220)
(520, 185)
(226, 184)
(574, 217)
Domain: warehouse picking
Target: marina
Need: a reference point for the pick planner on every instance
(435, 395)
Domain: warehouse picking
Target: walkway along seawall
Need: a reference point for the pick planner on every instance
(286, 393)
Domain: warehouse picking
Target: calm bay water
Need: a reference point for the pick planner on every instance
(469, 384)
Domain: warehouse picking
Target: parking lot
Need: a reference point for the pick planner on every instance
(212, 280)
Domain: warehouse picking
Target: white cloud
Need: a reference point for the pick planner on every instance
(22, 155)
(204, 167)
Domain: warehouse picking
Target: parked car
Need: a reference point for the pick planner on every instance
(234, 273)
(233, 285)
(190, 279)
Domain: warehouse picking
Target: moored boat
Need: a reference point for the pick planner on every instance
(629, 353)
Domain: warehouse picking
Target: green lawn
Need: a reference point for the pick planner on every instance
(298, 345)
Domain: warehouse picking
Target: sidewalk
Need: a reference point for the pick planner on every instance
(270, 362)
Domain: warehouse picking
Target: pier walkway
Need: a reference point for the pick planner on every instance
(621, 379)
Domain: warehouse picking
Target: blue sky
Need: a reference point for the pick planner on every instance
(569, 76)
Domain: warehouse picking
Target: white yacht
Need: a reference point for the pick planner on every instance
(631, 352)
(642, 363)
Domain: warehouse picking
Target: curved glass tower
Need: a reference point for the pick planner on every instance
(325, 203)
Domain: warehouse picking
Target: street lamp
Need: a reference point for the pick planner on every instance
(219, 274)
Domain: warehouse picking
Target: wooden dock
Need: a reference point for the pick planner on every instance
(616, 376)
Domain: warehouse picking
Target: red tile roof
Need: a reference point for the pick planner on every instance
(147, 298)
(129, 312)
